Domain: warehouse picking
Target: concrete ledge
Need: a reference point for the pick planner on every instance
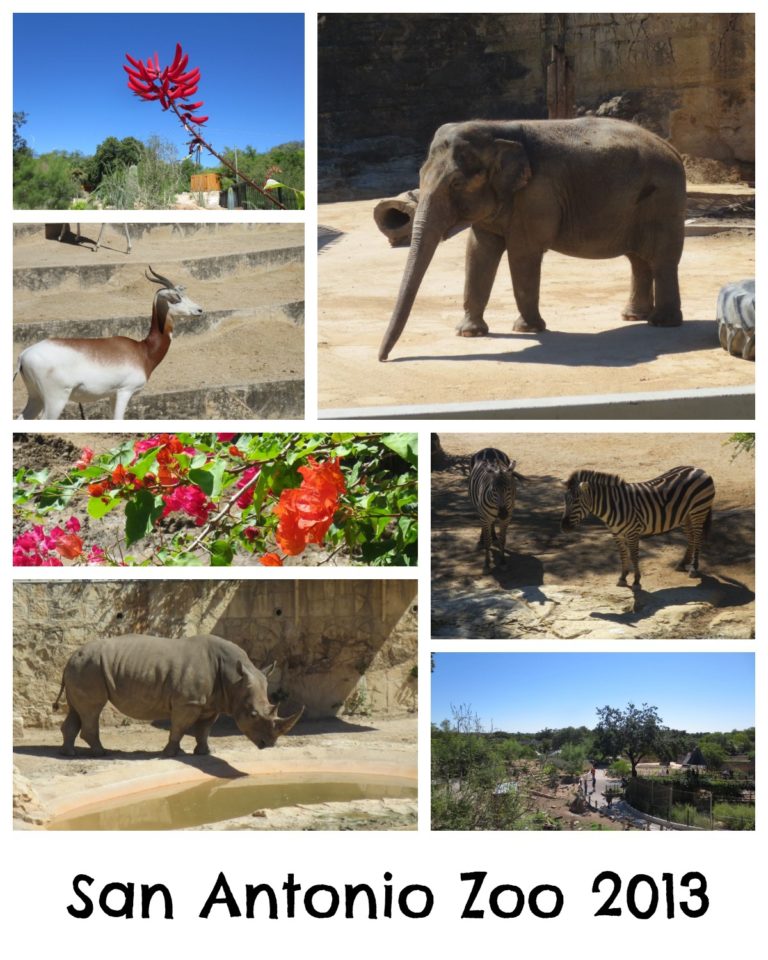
(27, 333)
(273, 400)
(707, 403)
(201, 268)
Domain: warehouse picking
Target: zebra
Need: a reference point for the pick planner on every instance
(492, 492)
(681, 497)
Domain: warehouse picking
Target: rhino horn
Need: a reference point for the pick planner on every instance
(284, 724)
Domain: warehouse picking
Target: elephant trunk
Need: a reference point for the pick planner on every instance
(427, 233)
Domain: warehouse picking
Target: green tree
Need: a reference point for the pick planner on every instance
(20, 145)
(633, 732)
(44, 183)
(112, 154)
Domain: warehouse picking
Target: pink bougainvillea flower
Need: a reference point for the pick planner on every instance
(85, 458)
(246, 498)
(225, 437)
(96, 555)
(271, 560)
(188, 499)
(73, 525)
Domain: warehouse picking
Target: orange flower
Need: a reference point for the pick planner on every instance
(271, 560)
(306, 513)
(69, 545)
(119, 475)
(96, 489)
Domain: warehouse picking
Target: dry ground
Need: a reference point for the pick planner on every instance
(247, 347)
(47, 783)
(586, 349)
(564, 585)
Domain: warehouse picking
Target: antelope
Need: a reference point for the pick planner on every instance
(61, 369)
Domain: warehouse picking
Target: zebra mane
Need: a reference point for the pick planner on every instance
(594, 476)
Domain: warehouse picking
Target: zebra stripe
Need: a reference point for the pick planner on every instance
(492, 492)
(681, 497)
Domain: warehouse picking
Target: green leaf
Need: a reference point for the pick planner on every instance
(221, 553)
(203, 479)
(404, 445)
(140, 516)
(97, 508)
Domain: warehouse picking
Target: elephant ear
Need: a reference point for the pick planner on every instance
(511, 170)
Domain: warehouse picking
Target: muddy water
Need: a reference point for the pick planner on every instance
(174, 808)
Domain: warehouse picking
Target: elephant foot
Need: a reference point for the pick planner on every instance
(98, 752)
(666, 318)
(171, 750)
(67, 751)
(202, 751)
(521, 325)
(472, 328)
(631, 314)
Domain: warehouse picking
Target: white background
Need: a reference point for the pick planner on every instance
(38, 868)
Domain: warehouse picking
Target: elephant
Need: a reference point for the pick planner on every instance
(592, 187)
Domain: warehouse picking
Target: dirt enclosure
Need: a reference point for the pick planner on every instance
(563, 586)
(586, 350)
(243, 358)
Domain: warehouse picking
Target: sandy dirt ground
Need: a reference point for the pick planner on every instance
(563, 586)
(47, 784)
(256, 343)
(587, 348)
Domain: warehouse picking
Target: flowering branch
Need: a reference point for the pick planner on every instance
(173, 86)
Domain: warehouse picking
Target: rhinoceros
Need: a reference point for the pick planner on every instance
(188, 681)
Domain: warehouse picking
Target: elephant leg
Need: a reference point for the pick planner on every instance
(667, 312)
(640, 304)
(526, 281)
(484, 252)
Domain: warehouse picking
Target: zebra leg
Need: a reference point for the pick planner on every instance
(486, 536)
(634, 543)
(502, 543)
(625, 564)
(690, 561)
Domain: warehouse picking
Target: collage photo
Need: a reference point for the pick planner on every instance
(435, 520)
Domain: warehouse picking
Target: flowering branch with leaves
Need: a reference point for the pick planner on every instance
(181, 499)
(173, 87)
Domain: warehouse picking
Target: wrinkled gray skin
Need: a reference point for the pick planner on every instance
(593, 188)
(188, 681)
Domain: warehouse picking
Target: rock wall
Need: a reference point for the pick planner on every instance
(340, 645)
(387, 81)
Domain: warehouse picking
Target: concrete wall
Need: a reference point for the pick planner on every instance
(337, 643)
(387, 81)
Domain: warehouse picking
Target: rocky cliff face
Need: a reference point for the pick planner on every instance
(340, 646)
(386, 82)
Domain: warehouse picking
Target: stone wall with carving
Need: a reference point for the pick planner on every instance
(387, 81)
(339, 645)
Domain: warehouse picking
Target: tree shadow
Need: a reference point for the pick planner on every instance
(627, 345)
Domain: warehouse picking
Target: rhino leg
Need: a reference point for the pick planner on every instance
(70, 729)
(184, 717)
(200, 731)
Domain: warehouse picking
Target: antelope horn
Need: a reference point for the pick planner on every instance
(157, 278)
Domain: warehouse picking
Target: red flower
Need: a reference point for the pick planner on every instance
(97, 489)
(69, 545)
(172, 83)
(271, 560)
(250, 533)
(85, 458)
(306, 513)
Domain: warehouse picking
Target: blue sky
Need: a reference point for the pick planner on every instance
(530, 691)
(252, 77)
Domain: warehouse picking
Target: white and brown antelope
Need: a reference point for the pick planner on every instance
(81, 369)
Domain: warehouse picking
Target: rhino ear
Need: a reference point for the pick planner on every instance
(268, 671)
